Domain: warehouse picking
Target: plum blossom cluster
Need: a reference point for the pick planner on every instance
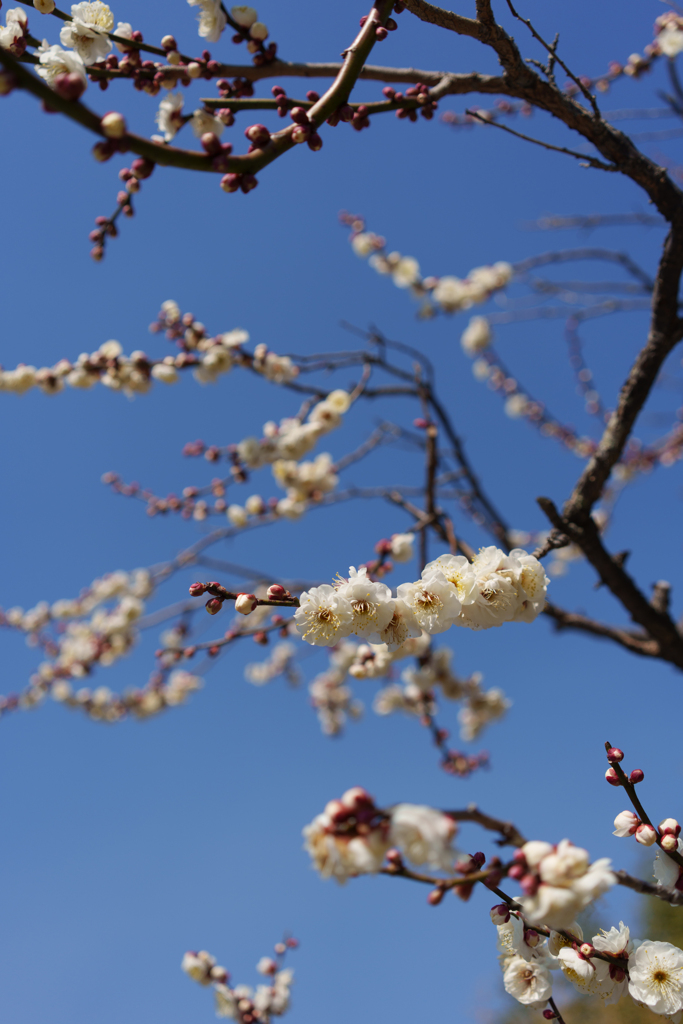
(241, 1002)
(102, 705)
(492, 589)
(85, 633)
(558, 881)
(446, 294)
(610, 965)
(353, 836)
(279, 663)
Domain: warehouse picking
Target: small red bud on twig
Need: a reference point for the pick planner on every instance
(214, 605)
(636, 776)
(612, 777)
(197, 589)
(614, 754)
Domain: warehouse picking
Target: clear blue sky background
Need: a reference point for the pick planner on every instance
(124, 846)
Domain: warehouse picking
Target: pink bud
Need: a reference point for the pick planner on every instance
(612, 777)
(245, 603)
(531, 937)
(300, 133)
(197, 589)
(299, 115)
(435, 896)
(231, 182)
(517, 871)
(645, 834)
(357, 797)
(394, 857)
(669, 843)
(529, 885)
(142, 168)
(500, 914)
(70, 86)
(113, 125)
(381, 33)
(478, 859)
(277, 593)
(211, 143)
(636, 776)
(214, 605)
(248, 182)
(315, 142)
(669, 826)
(258, 134)
(625, 824)
(549, 1014)
(614, 754)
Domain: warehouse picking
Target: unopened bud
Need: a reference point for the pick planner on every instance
(214, 605)
(529, 885)
(194, 69)
(500, 914)
(103, 151)
(231, 182)
(113, 125)
(612, 777)
(218, 974)
(169, 43)
(189, 652)
(211, 144)
(300, 133)
(435, 896)
(614, 754)
(625, 824)
(517, 871)
(142, 168)
(258, 134)
(197, 589)
(478, 859)
(395, 858)
(44, 6)
(531, 937)
(549, 1014)
(645, 834)
(315, 142)
(381, 33)
(276, 592)
(669, 843)
(70, 86)
(298, 115)
(669, 826)
(636, 776)
(245, 603)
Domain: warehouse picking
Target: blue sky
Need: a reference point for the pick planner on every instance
(124, 846)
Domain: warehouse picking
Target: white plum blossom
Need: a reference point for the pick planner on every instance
(423, 835)
(618, 942)
(586, 975)
(124, 30)
(529, 982)
(670, 37)
(364, 243)
(477, 336)
(432, 600)
(349, 838)
(656, 977)
(55, 61)
(211, 17)
(198, 966)
(402, 626)
(402, 546)
(16, 24)
(405, 271)
(323, 616)
(86, 33)
(169, 115)
(371, 604)
(203, 121)
(666, 870)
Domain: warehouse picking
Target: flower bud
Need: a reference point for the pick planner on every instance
(435, 896)
(103, 151)
(142, 168)
(586, 950)
(169, 43)
(44, 6)
(231, 182)
(645, 834)
(113, 125)
(194, 69)
(298, 115)
(197, 589)
(258, 31)
(395, 858)
(258, 134)
(500, 914)
(245, 603)
(549, 1014)
(531, 937)
(315, 142)
(381, 33)
(669, 843)
(300, 133)
(214, 605)
(636, 776)
(248, 182)
(612, 777)
(478, 859)
(70, 86)
(276, 592)
(625, 824)
(211, 144)
(614, 754)
(517, 871)
(529, 885)
(669, 827)
(357, 797)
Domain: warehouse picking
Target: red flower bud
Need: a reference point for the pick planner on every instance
(214, 605)
(612, 777)
(197, 589)
(636, 776)
(614, 754)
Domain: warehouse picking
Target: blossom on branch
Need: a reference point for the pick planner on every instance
(211, 17)
(656, 977)
(86, 32)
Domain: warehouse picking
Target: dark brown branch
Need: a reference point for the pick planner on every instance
(509, 834)
(642, 645)
(648, 889)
